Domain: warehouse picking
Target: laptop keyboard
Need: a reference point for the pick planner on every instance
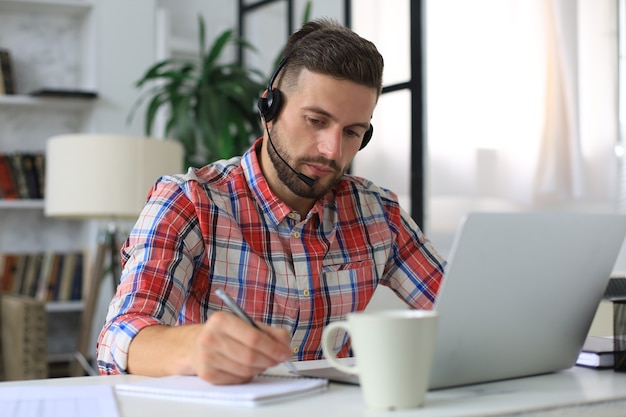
(616, 288)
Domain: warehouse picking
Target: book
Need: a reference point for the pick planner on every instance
(8, 272)
(7, 182)
(40, 169)
(31, 273)
(2, 92)
(20, 271)
(262, 389)
(6, 66)
(19, 177)
(3, 261)
(597, 352)
(30, 174)
(54, 277)
(66, 278)
(44, 276)
(77, 279)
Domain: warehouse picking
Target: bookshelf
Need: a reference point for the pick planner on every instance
(24, 102)
(100, 46)
(92, 45)
(66, 7)
(50, 44)
(21, 204)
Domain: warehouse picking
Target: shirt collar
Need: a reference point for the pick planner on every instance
(271, 205)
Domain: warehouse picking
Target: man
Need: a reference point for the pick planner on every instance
(283, 230)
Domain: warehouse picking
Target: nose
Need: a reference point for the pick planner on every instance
(329, 144)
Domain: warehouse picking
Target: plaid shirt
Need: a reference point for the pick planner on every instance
(222, 227)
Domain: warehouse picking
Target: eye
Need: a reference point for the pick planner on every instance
(354, 133)
(314, 122)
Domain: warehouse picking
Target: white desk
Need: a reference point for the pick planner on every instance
(574, 392)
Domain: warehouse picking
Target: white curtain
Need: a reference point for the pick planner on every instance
(559, 173)
(522, 101)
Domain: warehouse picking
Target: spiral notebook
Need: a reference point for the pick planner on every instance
(262, 389)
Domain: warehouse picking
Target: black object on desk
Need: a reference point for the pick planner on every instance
(597, 352)
(619, 333)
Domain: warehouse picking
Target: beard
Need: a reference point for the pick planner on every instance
(290, 178)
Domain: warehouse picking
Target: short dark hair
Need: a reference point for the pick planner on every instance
(327, 47)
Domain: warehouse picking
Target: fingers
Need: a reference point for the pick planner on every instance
(277, 334)
(230, 351)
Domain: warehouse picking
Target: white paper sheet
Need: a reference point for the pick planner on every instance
(61, 401)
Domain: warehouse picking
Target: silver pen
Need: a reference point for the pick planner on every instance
(234, 307)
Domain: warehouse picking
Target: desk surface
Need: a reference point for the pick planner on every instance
(573, 392)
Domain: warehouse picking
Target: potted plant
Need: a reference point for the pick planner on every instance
(210, 105)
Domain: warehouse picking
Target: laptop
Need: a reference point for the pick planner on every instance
(519, 294)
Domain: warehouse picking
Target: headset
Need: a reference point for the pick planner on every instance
(270, 105)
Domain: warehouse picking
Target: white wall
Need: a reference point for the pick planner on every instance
(218, 16)
(124, 50)
(387, 158)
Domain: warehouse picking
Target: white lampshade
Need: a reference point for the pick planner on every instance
(106, 176)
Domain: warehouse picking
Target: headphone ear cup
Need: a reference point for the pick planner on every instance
(367, 136)
(262, 106)
(270, 105)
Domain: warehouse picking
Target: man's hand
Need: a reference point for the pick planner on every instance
(228, 350)
(224, 350)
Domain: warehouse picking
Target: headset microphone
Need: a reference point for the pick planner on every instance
(307, 180)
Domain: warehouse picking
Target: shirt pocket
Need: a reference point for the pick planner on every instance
(348, 286)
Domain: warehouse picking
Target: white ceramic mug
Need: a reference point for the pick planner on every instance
(393, 352)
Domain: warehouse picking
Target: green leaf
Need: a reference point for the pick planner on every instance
(218, 47)
(201, 34)
(210, 105)
(306, 15)
(165, 69)
(153, 107)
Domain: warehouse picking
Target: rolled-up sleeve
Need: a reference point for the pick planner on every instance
(160, 258)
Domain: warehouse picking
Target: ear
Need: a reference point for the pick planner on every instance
(263, 123)
(262, 106)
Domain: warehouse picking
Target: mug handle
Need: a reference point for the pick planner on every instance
(327, 348)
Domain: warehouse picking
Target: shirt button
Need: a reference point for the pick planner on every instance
(306, 293)
(296, 349)
(291, 215)
(296, 235)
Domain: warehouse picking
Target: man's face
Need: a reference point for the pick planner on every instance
(319, 131)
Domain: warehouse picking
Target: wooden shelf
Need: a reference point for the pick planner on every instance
(76, 104)
(64, 306)
(71, 7)
(20, 204)
(61, 357)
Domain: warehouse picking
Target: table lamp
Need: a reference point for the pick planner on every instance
(103, 176)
